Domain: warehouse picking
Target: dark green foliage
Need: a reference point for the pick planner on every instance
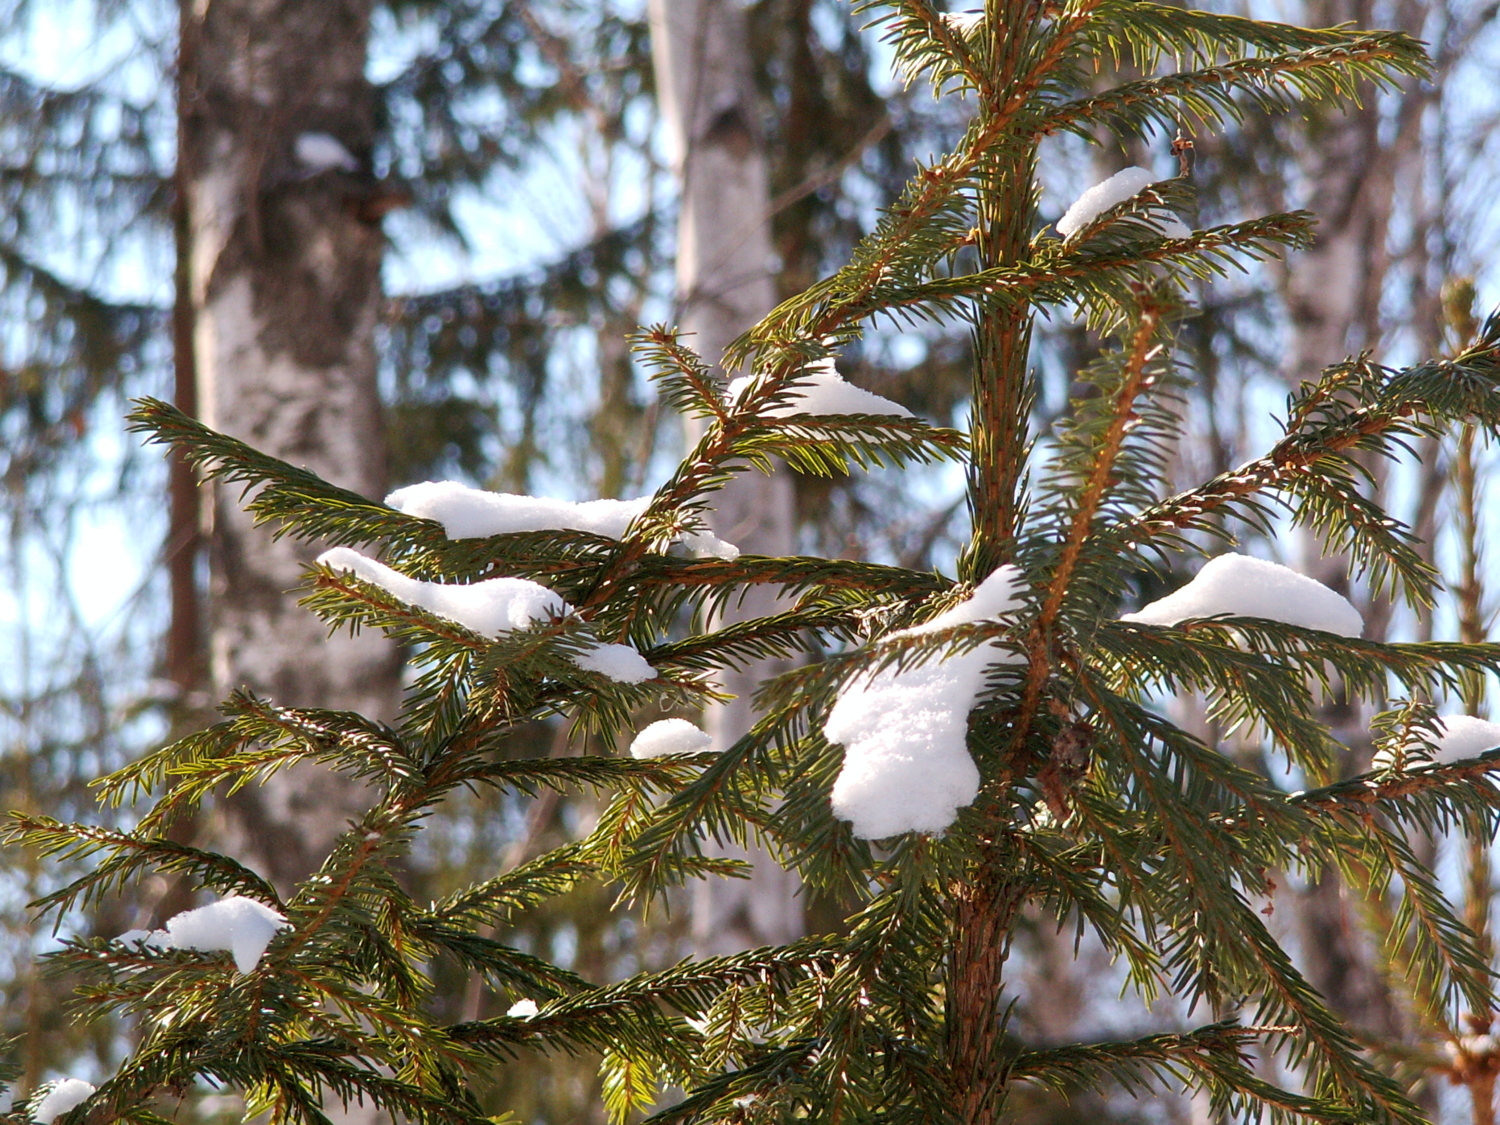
(1094, 804)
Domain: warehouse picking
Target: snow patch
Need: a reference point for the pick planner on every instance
(1459, 737)
(822, 390)
(707, 545)
(669, 736)
(472, 513)
(523, 1010)
(907, 766)
(1251, 587)
(1123, 185)
(322, 152)
(620, 663)
(135, 940)
(491, 607)
(1464, 736)
(64, 1096)
(496, 605)
(962, 23)
(236, 925)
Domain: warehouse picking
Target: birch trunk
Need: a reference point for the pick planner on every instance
(725, 268)
(285, 290)
(1333, 295)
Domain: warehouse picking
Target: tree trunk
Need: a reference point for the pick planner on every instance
(1333, 295)
(724, 285)
(285, 277)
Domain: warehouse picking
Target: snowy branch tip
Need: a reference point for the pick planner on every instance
(1123, 185)
(473, 513)
(491, 607)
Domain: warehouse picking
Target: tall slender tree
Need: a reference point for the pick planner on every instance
(725, 283)
(284, 245)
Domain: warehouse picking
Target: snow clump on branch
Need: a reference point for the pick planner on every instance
(962, 23)
(495, 605)
(821, 389)
(1251, 587)
(523, 1010)
(473, 513)
(235, 925)
(61, 1098)
(1123, 185)
(1459, 737)
(907, 766)
(669, 736)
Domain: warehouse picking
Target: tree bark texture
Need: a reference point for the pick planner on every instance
(725, 283)
(285, 280)
(1349, 160)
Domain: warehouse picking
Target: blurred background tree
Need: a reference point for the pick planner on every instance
(506, 213)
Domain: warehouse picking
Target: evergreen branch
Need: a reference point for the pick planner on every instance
(127, 855)
(513, 968)
(1445, 960)
(627, 1015)
(1324, 430)
(831, 445)
(522, 888)
(1136, 381)
(1211, 1056)
(728, 1091)
(1156, 31)
(1323, 72)
(529, 775)
(905, 230)
(685, 383)
(740, 643)
(1380, 792)
(1068, 276)
(1227, 927)
(299, 502)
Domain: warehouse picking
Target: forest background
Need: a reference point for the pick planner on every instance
(517, 165)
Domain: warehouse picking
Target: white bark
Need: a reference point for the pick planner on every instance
(285, 293)
(725, 271)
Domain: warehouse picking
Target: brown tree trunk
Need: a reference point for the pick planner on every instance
(285, 280)
(724, 285)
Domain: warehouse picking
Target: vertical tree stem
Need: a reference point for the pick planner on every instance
(985, 908)
(984, 914)
(1002, 338)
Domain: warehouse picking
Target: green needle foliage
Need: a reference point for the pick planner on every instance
(1093, 805)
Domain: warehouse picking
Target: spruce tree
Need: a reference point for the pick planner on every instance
(1052, 778)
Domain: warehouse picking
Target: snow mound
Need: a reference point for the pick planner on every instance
(472, 513)
(822, 390)
(962, 23)
(1123, 185)
(64, 1096)
(145, 939)
(906, 760)
(491, 607)
(1250, 587)
(523, 1010)
(236, 925)
(323, 152)
(1459, 737)
(669, 736)
(620, 663)
(496, 605)
(1464, 736)
(706, 545)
